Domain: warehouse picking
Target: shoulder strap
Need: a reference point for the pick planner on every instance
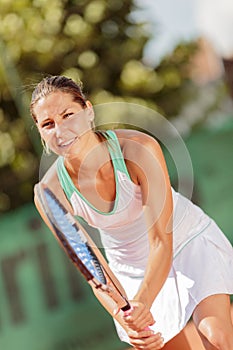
(116, 156)
(116, 153)
(67, 185)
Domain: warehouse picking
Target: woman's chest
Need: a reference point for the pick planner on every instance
(125, 207)
(98, 191)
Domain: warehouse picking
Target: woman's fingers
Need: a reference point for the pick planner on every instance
(140, 334)
(139, 317)
(152, 342)
(142, 321)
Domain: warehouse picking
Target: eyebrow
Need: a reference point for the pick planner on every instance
(64, 111)
(44, 120)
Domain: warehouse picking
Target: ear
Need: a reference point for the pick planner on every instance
(90, 111)
(89, 104)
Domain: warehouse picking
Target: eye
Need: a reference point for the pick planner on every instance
(48, 124)
(67, 115)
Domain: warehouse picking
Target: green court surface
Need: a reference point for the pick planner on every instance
(45, 304)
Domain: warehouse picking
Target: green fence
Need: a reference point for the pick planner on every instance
(211, 153)
(45, 304)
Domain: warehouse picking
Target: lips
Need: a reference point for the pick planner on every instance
(66, 143)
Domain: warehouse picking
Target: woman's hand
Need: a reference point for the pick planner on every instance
(138, 320)
(139, 317)
(146, 340)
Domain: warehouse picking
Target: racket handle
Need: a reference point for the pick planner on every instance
(126, 308)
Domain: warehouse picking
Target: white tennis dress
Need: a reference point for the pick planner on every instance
(203, 257)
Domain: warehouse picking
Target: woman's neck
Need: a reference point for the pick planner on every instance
(89, 157)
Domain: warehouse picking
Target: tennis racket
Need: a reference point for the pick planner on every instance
(80, 248)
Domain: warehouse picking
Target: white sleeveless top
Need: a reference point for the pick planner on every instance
(123, 230)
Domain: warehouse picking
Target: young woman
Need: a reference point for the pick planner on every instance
(171, 258)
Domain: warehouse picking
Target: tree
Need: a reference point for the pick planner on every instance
(97, 41)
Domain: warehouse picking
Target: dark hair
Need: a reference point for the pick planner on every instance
(57, 83)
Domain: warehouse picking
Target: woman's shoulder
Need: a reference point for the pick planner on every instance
(50, 179)
(134, 140)
(141, 152)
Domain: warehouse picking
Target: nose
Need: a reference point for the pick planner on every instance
(58, 130)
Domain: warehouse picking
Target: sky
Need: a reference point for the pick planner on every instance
(172, 21)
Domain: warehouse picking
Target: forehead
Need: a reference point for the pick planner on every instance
(53, 104)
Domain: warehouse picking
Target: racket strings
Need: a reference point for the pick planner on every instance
(97, 266)
(73, 240)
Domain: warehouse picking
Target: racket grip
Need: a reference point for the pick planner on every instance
(126, 308)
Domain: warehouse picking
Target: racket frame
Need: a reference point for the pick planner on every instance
(112, 288)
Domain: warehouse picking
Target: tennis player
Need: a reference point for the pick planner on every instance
(171, 258)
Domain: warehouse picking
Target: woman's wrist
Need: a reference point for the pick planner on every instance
(144, 298)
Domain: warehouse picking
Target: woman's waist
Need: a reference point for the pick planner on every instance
(129, 268)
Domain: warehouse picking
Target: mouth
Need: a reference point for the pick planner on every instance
(66, 143)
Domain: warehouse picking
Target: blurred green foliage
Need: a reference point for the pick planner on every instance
(96, 41)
